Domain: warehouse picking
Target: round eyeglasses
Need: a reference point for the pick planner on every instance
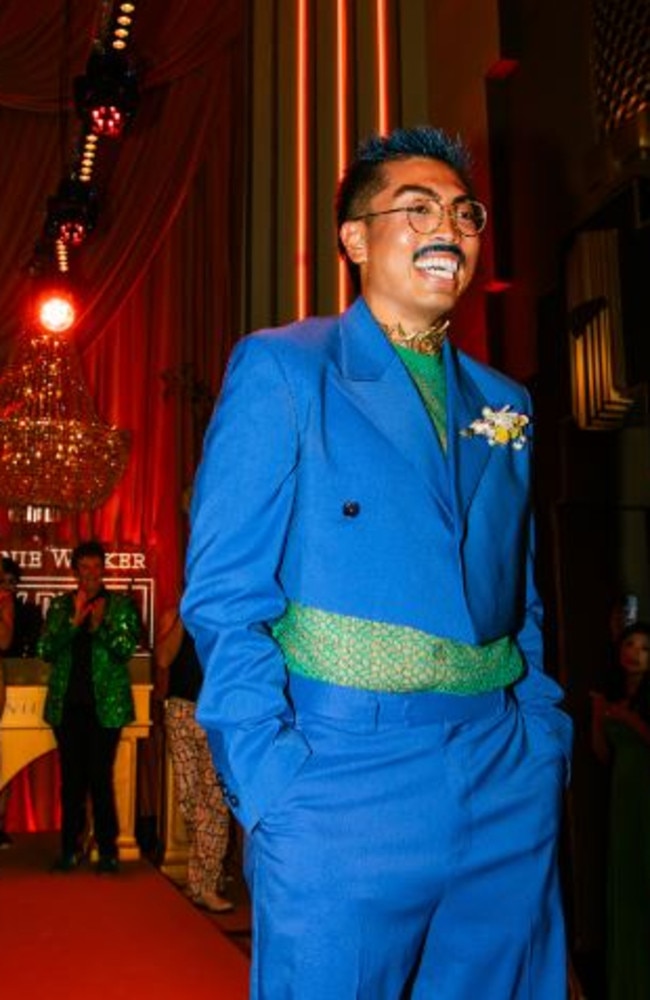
(426, 216)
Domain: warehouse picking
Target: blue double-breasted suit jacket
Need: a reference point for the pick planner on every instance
(317, 421)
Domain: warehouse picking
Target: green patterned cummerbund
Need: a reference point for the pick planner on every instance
(372, 655)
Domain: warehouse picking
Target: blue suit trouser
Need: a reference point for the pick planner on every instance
(413, 856)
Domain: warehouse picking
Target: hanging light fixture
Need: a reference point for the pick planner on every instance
(56, 455)
(106, 96)
(72, 212)
(53, 300)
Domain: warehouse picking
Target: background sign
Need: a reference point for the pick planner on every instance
(46, 572)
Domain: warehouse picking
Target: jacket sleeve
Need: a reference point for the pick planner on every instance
(57, 631)
(120, 629)
(539, 696)
(241, 507)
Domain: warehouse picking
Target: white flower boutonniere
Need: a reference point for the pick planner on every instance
(500, 427)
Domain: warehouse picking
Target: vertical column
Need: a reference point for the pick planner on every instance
(125, 783)
(285, 252)
(344, 121)
(385, 63)
(323, 74)
(326, 110)
(259, 287)
(303, 158)
(412, 54)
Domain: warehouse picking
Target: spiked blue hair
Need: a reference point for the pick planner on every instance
(364, 177)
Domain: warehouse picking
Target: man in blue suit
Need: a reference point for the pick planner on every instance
(360, 588)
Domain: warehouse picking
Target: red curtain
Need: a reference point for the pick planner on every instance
(161, 270)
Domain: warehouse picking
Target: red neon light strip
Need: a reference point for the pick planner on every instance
(302, 165)
(383, 103)
(342, 123)
(342, 84)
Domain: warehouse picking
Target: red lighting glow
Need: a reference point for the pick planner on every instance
(107, 120)
(342, 124)
(302, 166)
(383, 78)
(56, 310)
(72, 233)
(502, 69)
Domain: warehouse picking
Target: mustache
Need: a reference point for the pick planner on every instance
(439, 247)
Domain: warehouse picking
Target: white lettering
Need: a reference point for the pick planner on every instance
(124, 560)
(62, 558)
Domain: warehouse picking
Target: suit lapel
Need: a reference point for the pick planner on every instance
(468, 456)
(382, 389)
(380, 386)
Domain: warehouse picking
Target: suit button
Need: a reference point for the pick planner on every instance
(351, 508)
(233, 800)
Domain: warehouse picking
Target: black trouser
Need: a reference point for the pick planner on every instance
(87, 754)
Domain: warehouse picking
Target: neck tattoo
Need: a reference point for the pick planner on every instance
(427, 341)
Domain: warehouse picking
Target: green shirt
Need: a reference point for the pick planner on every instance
(428, 373)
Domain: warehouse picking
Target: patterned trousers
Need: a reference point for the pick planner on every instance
(206, 816)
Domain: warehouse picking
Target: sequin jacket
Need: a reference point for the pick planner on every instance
(114, 643)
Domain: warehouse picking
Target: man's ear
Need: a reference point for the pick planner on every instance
(353, 238)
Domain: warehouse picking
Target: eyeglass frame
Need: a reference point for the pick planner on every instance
(445, 209)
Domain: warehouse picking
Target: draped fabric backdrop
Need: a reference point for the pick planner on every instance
(161, 272)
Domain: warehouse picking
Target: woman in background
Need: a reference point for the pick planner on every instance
(621, 738)
(200, 800)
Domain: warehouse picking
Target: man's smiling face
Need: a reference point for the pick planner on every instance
(90, 574)
(407, 277)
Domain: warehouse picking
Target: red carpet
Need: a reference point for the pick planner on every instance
(131, 936)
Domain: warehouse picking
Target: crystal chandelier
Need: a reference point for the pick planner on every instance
(56, 456)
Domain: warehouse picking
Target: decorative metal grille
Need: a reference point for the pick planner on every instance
(621, 60)
(600, 399)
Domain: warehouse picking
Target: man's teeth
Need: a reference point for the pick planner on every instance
(445, 267)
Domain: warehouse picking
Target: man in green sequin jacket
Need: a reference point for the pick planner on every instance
(89, 637)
